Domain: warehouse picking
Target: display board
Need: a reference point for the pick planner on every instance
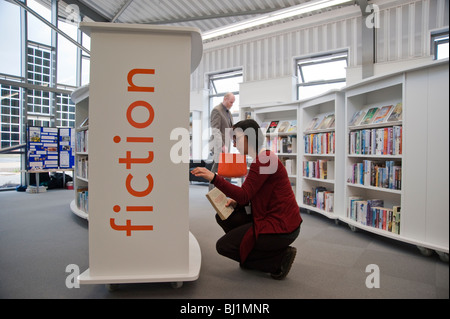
(66, 147)
(50, 148)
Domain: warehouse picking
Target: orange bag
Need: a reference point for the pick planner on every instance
(232, 165)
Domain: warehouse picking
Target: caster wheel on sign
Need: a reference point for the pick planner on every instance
(442, 256)
(112, 287)
(425, 251)
(176, 285)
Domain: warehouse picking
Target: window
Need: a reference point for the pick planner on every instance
(65, 111)
(10, 115)
(52, 70)
(222, 83)
(439, 45)
(10, 47)
(318, 74)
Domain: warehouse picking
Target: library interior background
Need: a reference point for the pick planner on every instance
(351, 95)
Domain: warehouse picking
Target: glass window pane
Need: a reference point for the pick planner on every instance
(85, 68)
(442, 51)
(38, 31)
(67, 55)
(324, 71)
(10, 48)
(228, 84)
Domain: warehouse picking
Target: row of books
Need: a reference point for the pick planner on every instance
(82, 167)
(282, 144)
(322, 169)
(319, 197)
(372, 213)
(386, 174)
(82, 141)
(375, 115)
(379, 141)
(82, 199)
(277, 126)
(290, 165)
(319, 143)
(321, 122)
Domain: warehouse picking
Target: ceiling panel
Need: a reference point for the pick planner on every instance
(203, 14)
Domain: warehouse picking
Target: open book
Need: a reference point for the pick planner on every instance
(218, 201)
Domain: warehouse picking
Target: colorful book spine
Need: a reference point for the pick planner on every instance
(377, 141)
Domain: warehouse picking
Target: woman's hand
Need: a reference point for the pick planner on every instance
(203, 172)
(231, 202)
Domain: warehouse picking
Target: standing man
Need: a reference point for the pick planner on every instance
(221, 120)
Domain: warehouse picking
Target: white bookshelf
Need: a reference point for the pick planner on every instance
(424, 160)
(422, 94)
(81, 178)
(318, 145)
(274, 141)
(363, 137)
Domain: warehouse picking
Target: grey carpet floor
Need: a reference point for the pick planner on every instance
(40, 237)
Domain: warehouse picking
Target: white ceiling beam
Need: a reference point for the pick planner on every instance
(118, 14)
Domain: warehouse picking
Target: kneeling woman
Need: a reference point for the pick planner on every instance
(259, 240)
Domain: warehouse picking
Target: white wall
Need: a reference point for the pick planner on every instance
(269, 53)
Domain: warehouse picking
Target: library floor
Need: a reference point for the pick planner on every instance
(40, 237)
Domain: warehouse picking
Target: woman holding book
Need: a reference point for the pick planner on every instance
(259, 240)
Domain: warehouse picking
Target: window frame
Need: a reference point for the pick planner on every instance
(317, 59)
(438, 38)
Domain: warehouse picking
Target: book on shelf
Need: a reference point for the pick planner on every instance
(315, 122)
(383, 114)
(370, 116)
(264, 125)
(321, 169)
(377, 141)
(372, 213)
(85, 122)
(319, 143)
(283, 126)
(351, 208)
(326, 122)
(218, 200)
(272, 127)
(357, 117)
(292, 126)
(320, 198)
(396, 220)
(396, 114)
(387, 174)
(332, 122)
(289, 164)
(82, 199)
(82, 167)
(282, 144)
(82, 141)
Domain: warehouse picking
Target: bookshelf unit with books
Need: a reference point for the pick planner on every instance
(279, 126)
(373, 166)
(80, 205)
(320, 154)
(388, 154)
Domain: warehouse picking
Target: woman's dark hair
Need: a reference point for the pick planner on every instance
(251, 129)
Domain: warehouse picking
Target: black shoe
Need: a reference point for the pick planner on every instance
(286, 263)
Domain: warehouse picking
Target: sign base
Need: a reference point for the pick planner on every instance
(195, 259)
